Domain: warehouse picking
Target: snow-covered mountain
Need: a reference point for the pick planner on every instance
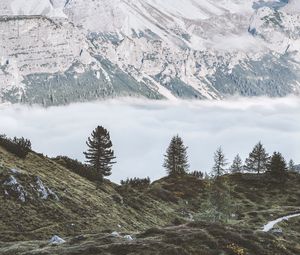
(58, 51)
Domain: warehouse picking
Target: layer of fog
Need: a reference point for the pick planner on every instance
(141, 130)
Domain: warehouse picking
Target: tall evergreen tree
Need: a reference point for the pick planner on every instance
(237, 165)
(220, 163)
(277, 166)
(258, 159)
(100, 154)
(176, 159)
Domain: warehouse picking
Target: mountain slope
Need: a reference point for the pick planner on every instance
(40, 198)
(155, 49)
(190, 239)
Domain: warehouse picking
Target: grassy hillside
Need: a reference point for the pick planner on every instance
(188, 239)
(256, 198)
(79, 207)
(40, 198)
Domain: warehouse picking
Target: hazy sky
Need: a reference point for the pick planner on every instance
(141, 130)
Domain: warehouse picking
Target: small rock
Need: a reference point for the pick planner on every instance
(128, 237)
(14, 170)
(15, 188)
(44, 192)
(115, 234)
(56, 240)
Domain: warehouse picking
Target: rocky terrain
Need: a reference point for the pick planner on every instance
(40, 198)
(55, 52)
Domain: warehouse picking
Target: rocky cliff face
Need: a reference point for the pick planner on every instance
(83, 50)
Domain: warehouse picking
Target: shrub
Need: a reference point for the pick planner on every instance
(77, 167)
(163, 194)
(18, 146)
(197, 174)
(136, 182)
(219, 205)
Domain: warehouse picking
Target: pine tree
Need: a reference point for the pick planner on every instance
(292, 167)
(176, 159)
(258, 159)
(277, 166)
(100, 154)
(237, 165)
(220, 163)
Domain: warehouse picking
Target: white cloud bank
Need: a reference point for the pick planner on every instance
(141, 130)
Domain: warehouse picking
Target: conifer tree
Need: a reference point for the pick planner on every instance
(100, 154)
(277, 166)
(292, 167)
(220, 163)
(237, 165)
(258, 159)
(176, 159)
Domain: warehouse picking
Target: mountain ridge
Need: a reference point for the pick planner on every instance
(150, 49)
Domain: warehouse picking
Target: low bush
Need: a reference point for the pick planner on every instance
(197, 174)
(136, 182)
(77, 167)
(18, 146)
